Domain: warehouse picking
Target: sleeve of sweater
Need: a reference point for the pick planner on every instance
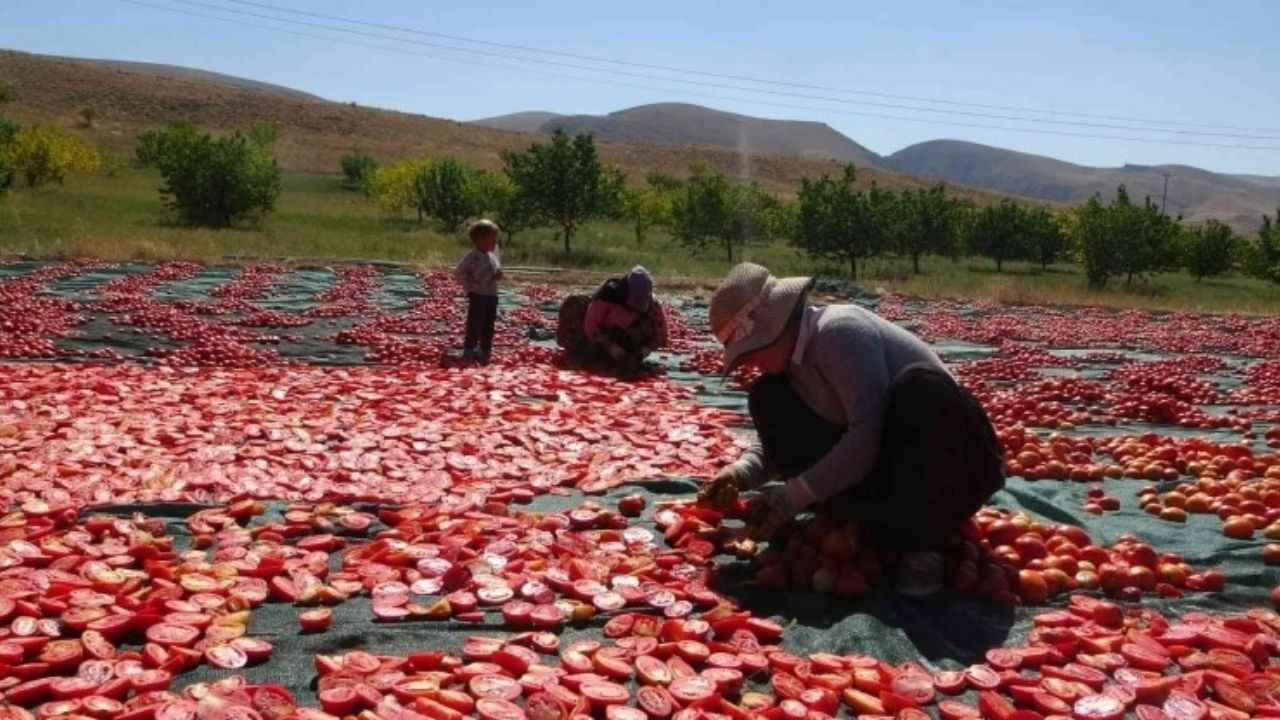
(850, 357)
(464, 273)
(753, 469)
(596, 311)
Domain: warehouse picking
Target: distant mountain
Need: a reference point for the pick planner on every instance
(1194, 193)
(531, 121)
(683, 124)
(1265, 180)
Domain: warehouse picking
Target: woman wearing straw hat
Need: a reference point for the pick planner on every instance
(856, 415)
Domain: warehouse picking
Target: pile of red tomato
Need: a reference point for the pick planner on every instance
(1009, 557)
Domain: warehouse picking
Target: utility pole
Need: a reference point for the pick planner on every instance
(1165, 195)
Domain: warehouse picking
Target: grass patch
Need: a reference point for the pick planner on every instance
(122, 218)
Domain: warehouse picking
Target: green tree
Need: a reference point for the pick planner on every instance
(1092, 234)
(450, 192)
(40, 155)
(835, 221)
(1045, 237)
(215, 181)
(663, 181)
(163, 142)
(1262, 258)
(563, 181)
(1145, 237)
(393, 187)
(357, 167)
(710, 211)
(702, 215)
(646, 207)
(1209, 250)
(8, 130)
(1124, 238)
(264, 133)
(998, 232)
(508, 208)
(926, 223)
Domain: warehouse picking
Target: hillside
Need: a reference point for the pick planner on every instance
(1194, 193)
(182, 73)
(316, 133)
(683, 124)
(531, 121)
(1265, 180)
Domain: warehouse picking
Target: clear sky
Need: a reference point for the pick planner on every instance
(1171, 61)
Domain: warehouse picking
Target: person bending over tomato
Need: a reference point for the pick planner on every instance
(617, 327)
(856, 416)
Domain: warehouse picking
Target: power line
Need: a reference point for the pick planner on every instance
(725, 76)
(722, 86)
(751, 101)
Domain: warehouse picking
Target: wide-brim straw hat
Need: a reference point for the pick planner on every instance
(751, 309)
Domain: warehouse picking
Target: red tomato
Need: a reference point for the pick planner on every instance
(313, 621)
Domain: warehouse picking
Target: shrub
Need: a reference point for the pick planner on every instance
(160, 143)
(215, 181)
(564, 182)
(1209, 249)
(40, 155)
(357, 168)
(449, 191)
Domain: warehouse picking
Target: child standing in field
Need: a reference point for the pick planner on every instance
(478, 273)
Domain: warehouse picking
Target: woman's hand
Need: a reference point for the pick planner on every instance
(771, 513)
(721, 491)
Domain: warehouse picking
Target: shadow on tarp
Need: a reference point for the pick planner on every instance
(892, 627)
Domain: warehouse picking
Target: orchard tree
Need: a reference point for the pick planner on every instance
(564, 181)
(646, 207)
(1262, 258)
(357, 167)
(1046, 238)
(1144, 235)
(711, 212)
(510, 209)
(8, 130)
(40, 155)
(154, 145)
(998, 232)
(1208, 250)
(215, 181)
(835, 221)
(394, 187)
(1093, 236)
(702, 214)
(449, 191)
(1124, 238)
(927, 223)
